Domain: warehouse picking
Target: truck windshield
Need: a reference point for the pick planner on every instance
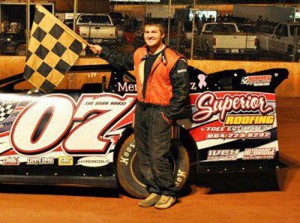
(293, 30)
(228, 28)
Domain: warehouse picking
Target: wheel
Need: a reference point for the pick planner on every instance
(290, 53)
(209, 54)
(21, 50)
(128, 171)
(297, 58)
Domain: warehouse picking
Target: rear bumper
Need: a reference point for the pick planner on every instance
(8, 48)
(107, 42)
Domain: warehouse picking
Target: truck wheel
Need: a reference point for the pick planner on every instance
(290, 53)
(297, 58)
(130, 177)
(21, 50)
(210, 55)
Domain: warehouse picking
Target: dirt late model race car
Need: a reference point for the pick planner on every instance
(85, 136)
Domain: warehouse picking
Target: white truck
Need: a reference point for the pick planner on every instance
(285, 39)
(97, 28)
(224, 38)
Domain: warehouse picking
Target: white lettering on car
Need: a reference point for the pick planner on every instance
(44, 123)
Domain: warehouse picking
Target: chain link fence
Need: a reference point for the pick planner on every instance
(199, 29)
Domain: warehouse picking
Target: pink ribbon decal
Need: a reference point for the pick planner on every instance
(202, 82)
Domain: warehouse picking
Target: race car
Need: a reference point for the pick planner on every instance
(84, 136)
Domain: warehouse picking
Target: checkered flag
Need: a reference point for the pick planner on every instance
(6, 108)
(53, 49)
(245, 81)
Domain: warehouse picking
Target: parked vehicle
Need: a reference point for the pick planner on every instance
(224, 38)
(69, 23)
(84, 135)
(247, 28)
(118, 20)
(264, 33)
(188, 26)
(13, 41)
(97, 28)
(285, 39)
(13, 24)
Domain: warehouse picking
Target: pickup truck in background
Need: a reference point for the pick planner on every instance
(224, 38)
(285, 39)
(13, 40)
(97, 29)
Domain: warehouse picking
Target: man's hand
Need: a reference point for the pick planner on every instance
(95, 48)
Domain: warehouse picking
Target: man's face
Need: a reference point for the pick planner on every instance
(153, 36)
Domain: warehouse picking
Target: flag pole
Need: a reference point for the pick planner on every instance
(75, 14)
(27, 24)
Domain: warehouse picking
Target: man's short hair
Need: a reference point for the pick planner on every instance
(155, 22)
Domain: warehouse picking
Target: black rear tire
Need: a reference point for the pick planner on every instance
(128, 171)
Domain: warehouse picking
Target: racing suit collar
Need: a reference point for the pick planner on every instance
(163, 55)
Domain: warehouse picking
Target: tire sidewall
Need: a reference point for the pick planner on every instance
(127, 172)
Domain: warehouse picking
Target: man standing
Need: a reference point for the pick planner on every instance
(162, 91)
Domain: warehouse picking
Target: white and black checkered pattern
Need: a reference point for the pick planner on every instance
(53, 49)
(6, 108)
(245, 81)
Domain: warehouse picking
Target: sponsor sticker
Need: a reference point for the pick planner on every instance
(93, 161)
(65, 161)
(40, 160)
(10, 161)
(260, 80)
(223, 155)
(259, 153)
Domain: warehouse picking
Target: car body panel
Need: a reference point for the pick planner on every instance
(230, 121)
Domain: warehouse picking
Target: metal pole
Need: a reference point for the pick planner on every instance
(75, 14)
(27, 24)
(169, 22)
(295, 44)
(193, 31)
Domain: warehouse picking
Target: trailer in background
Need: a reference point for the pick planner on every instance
(279, 14)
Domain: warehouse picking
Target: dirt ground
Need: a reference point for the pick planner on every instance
(267, 198)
